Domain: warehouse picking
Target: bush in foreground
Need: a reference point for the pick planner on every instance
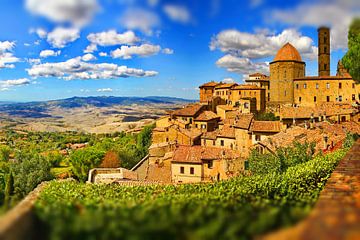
(238, 208)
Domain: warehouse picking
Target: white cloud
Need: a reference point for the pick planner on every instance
(167, 51)
(32, 61)
(112, 38)
(103, 54)
(336, 14)
(49, 53)
(42, 33)
(90, 48)
(262, 44)
(76, 69)
(5, 85)
(7, 58)
(177, 13)
(242, 65)
(27, 44)
(144, 50)
(140, 19)
(104, 90)
(60, 36)
(228, 80)
(88, 57)
(76, 12)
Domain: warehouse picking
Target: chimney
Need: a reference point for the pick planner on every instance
(324, 51)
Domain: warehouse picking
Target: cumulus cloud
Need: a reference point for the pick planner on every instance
(242, 65)
(76, 12)
(262, 44)
(103, 54)
(75, 68)
(91, 48)
(167, 51)
(7, 58)
(144, 50)
(88, 57)
(32, 61)
(336, 14)
(104, 90)
(112, 38)
(177, 13)
(140, 19)
(42, 33)
(228, 80)
(7, 84)
(49, 53)
(60, 36)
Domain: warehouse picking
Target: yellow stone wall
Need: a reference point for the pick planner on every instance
(258, 94)
(282, 74)
(206, 93)
(171, 135)
(186, 177)
(323, 88)
(243, 141)
(229, 143)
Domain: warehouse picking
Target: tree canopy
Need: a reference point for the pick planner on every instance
(351, 60)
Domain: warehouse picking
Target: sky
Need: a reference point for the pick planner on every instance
(54, 49)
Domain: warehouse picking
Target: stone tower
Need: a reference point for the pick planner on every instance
(324, 51)
(287, 66)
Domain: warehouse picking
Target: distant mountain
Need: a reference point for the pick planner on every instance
(41, 109)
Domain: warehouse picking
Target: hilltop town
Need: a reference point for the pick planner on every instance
(210, 140)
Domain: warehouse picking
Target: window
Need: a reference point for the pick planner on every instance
(213, 142)
(340, 98)
(325, 39)
(167, 139)
(340, 85)
(317, 86)
(285, 93)
(257, 138)
(210, 164)
(246, 105)
(353, 85)
(305, 85)
(353, 97)
(314, 98)
(182, 170)
(191, 120)
(196, 125)
(203, 126)
(299, 99)
(328, 85)
(192, 171)
(246, 165)
(328, 98)
(297, 86)
(325, 49)
(222, 142)
(325, 66)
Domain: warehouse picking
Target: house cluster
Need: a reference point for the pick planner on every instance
(211, 140)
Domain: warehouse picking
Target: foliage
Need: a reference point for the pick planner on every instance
(351, 60)
(29, 169)
(282, 159)
(9, 190)
(350, 139)
(266, 116)
(85, 159)
(238, 208)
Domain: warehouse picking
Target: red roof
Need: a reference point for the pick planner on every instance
(188, 111)
(225, 85)
(288, 53)
(209, 84)
(196, 154)
(266, 126)
(206, 116)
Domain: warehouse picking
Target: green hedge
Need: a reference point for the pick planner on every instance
(239, 208)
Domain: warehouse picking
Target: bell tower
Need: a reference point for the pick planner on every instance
(324, 51)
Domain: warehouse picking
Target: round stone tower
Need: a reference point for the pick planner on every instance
(287, 66)
(324, 51)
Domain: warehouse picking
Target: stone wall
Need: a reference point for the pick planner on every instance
(20, 222)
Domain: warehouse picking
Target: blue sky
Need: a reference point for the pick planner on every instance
(57, 49)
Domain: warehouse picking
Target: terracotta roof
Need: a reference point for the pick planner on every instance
(206, 116)
(225, 85)
(288, 53)
(257, 75)
(210, 135)
(192, 133)
(247, 87)
(196, 154)
(188, 111)
(227, 131)
(209, 84)
(226, 107)
(266, 126)
(335, 133)
(243, 121)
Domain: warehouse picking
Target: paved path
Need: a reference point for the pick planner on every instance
(336, 215)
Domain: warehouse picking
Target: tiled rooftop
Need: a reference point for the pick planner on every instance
(206, 116)
(265, 126)
(188, 111)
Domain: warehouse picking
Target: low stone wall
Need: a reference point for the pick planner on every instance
(20, 222)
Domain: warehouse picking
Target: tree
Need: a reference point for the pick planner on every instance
(85, 159)
(9, 191)
(351, 60)
(143, 140)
